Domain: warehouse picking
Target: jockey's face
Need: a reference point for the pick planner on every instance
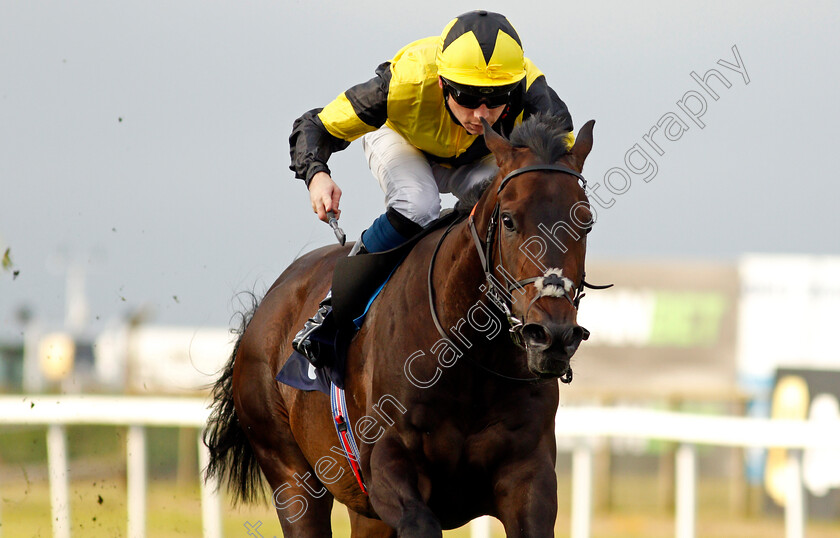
(470, 118)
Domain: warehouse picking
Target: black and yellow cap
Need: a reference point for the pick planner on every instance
(480, 48)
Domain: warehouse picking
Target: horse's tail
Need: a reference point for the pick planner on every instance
(232, 460)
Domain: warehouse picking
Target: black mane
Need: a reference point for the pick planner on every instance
(465, 204)
(544, 135)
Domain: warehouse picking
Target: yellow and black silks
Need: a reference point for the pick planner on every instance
(406, 96)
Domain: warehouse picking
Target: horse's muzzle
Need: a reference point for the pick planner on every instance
(551, 346)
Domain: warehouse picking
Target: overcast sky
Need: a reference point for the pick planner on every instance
(146, 142)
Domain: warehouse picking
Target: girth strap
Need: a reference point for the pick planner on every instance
(345, 433)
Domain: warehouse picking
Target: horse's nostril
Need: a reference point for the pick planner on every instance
(536, 335)
(581, 333)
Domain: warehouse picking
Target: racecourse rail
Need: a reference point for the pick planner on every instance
(583, 424)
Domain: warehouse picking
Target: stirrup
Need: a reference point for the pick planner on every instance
(302, 342)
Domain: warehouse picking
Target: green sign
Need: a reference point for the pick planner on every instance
(687, 319)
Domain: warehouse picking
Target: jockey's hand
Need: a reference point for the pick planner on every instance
(324, 195)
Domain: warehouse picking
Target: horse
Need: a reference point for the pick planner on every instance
(452, 380)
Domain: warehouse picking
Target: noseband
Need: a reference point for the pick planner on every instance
(499, 295)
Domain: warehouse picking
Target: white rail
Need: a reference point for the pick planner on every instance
(587, 423)
(135, 412)
(583, 424)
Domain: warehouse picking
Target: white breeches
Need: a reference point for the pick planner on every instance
(411, 183)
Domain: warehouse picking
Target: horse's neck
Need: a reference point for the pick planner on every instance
(466, 276)
(460, 289)
(460, 283)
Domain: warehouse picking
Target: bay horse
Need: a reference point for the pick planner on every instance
(451, 382)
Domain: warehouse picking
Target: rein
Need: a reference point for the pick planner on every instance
(439, 327)
(492, 288)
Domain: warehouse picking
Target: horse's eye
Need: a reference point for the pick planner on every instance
(507, 221)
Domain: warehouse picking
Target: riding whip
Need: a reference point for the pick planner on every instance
(339, 233)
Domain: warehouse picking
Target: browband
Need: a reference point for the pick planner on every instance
(542, 168)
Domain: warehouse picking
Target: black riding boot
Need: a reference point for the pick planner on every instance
(301, 342)
(388, 231)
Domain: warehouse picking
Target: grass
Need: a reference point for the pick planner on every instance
(98, 509)
(98, 496)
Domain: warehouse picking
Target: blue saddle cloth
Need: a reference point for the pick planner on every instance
(300, 374)
(357, 281)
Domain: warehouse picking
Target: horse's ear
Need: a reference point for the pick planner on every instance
(583, 145)
(499, 145)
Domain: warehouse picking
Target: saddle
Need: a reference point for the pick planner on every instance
(357, 281)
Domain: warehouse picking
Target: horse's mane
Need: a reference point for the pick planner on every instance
(543, 134)
(465, 204)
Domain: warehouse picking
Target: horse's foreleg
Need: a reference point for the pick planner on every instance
(364, 527)
(398, 493)
(526, 497)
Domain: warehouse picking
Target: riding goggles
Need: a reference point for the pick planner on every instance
(473, 97)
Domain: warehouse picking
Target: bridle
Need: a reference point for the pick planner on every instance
(498, 294)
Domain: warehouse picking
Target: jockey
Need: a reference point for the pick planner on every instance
(420, 123)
